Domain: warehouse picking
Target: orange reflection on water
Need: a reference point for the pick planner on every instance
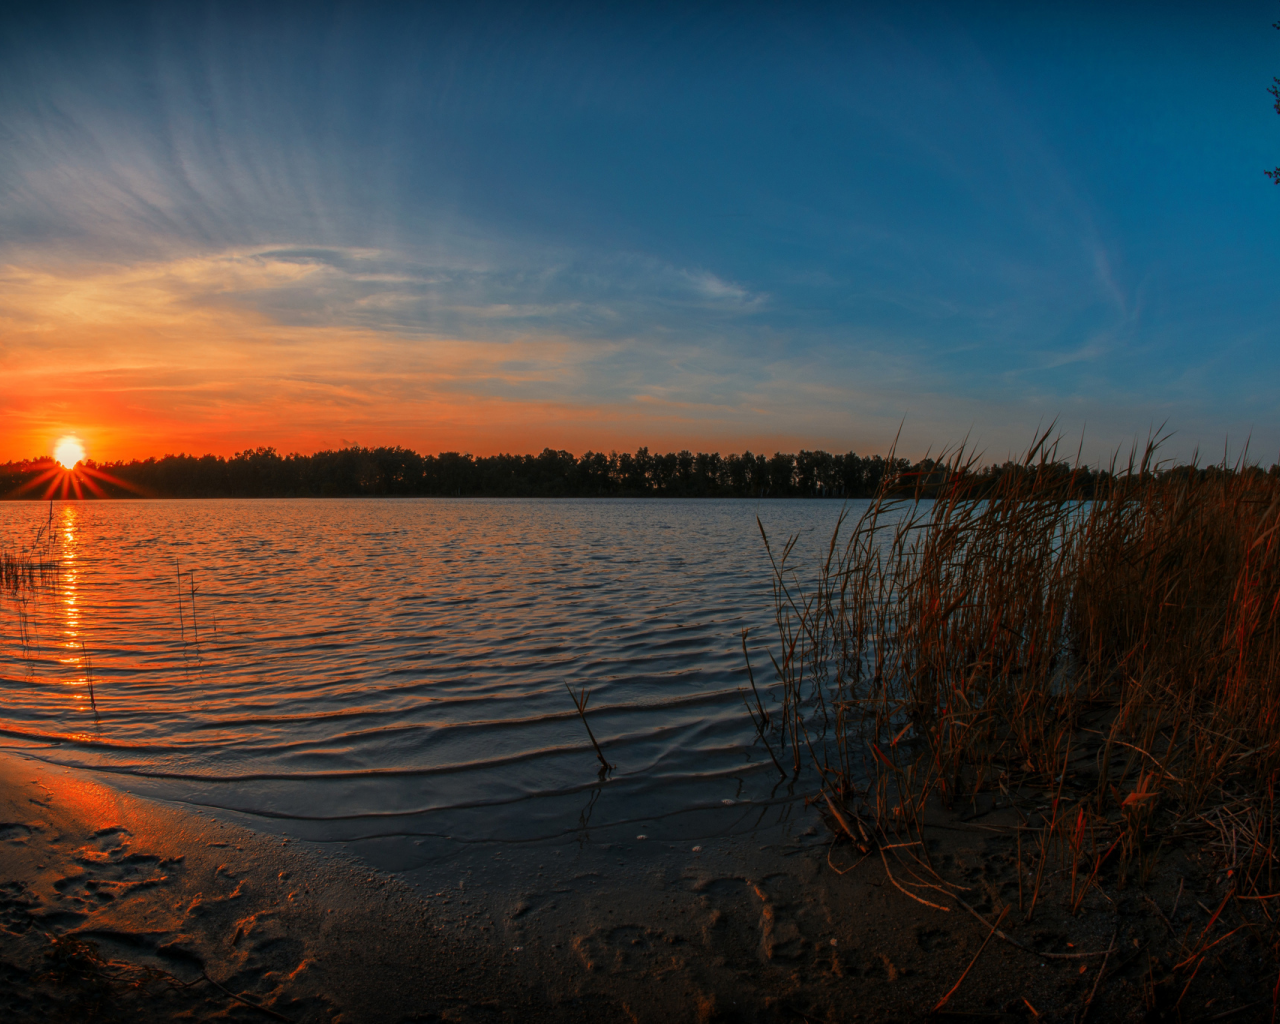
(75, 656)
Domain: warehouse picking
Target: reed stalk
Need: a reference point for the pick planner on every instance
(23, 573)
(580, 702)
(88, 674)
(1115, 659)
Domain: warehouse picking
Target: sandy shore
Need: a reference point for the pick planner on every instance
(154, 887)
(185, 916)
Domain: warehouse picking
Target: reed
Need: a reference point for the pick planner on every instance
(23, 573)
(186, 594)
(580, 700)
(1114, 661)
(88, 675)
(15, 572)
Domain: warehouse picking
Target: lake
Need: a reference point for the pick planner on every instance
(395, 670)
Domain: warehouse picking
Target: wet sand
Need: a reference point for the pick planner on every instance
(195, 918)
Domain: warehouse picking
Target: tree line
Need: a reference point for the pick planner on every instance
(396, 471)
(401, 472)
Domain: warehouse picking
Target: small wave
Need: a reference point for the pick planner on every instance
(313, 658)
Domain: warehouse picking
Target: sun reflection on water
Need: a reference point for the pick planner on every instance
(74, 655)
(397, 658)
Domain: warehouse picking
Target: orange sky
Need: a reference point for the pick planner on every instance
(506, 229)
(232, 350)
(169, 356)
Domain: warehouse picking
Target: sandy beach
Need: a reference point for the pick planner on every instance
(200, 919)
(116, 907)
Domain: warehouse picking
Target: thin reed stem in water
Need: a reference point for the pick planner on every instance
(182, 624)
(88, 674)
(762, 722)
(580, 702)
(191, 579)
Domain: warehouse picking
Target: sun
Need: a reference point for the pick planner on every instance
(68, 451)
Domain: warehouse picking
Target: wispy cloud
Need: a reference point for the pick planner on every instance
(435, 226)
(222, 345)
(204, 354)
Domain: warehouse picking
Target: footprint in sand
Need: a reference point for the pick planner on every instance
(264, 958)
(616, 948)
(109, 872)
(780, 937)
(16, 905)
(14, 832)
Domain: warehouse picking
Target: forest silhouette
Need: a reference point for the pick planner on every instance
(401, 472)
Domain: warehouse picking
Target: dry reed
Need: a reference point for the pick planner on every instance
(24, 572)
(580, 700)
(1113, 661)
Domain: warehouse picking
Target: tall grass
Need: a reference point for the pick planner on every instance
(23, 572)
(16, 572)
(1118, 657)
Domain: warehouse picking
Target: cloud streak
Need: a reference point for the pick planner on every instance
(217, 352)
(504, 228)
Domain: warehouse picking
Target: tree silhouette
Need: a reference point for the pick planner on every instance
(1275, 91)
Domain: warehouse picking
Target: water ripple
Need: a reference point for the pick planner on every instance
(346, 660)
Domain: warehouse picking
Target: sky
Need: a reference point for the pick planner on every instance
(493, 227)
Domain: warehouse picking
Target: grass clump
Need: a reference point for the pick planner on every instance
(20, 573)
(1106, 671)
(25, 569)
(23, 573)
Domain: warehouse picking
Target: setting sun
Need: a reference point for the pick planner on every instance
(69, 451)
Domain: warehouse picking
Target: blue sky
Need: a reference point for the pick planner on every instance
(499, 227)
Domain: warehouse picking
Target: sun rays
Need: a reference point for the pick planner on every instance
(68, 476)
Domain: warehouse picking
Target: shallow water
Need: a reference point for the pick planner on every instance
(354, 669)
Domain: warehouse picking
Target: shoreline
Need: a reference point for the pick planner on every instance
(198, 918)
(187, 896)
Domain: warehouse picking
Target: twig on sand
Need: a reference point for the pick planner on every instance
(1239, 1009)
(1084, 1010)
(1022, 945)
(580, 702)
(996, 931)
(943, 1001)
(863, 844)
(919, 899)
(241, 999)
(1156, 907)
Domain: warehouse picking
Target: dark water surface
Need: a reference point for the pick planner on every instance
(396, 669)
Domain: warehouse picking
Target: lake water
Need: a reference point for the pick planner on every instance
(354, 669)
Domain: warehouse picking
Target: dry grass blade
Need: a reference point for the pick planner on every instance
(762, 722)
(1084, 1010)
(247, 1002)
(959, 981)
(88, 675)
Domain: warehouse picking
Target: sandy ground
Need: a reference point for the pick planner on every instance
(114, 907)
